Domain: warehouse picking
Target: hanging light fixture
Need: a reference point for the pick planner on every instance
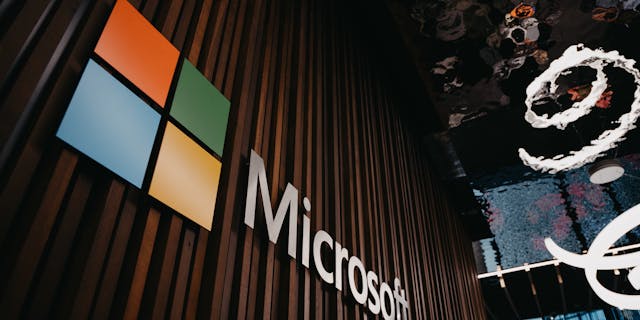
(605, 171)
(544, 86)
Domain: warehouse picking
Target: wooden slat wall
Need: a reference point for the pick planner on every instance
(307, 94)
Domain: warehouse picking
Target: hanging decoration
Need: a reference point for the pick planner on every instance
(544, 86)
(595, 259)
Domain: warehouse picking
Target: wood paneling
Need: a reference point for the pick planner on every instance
(307, 92)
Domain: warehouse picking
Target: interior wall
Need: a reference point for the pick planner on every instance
(307, 94)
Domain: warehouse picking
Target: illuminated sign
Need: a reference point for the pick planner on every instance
(595, 259)
(147, 114)
(544, 86)
(368, 293)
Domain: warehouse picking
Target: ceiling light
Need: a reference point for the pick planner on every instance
(544, 87)
(605, 171)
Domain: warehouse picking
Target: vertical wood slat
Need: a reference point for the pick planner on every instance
(171, 20)
(53, 269)
(92, 270)
(196, 276)
(36, 239)
(194, 52)
(225, 78)
(214, 39)
(113, 269)
(142, 265)
(19, 106)
(12, 58)
(177, 306)
(184, 24)
(33, 156)
(246, 290)
(310, 97)
(149, 9)
(160, 290)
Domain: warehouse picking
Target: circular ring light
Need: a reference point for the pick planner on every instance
(544, 86)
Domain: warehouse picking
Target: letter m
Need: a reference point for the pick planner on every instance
(258, 175)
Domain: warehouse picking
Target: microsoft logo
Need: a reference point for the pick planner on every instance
(147, 114)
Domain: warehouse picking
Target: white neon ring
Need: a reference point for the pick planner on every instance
(578, 55)
(595, 260)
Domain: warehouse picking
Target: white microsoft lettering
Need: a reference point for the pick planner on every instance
(362, 283)
(258, 175)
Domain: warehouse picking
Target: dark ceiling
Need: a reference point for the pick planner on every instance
(476, 63)
(485, 109)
